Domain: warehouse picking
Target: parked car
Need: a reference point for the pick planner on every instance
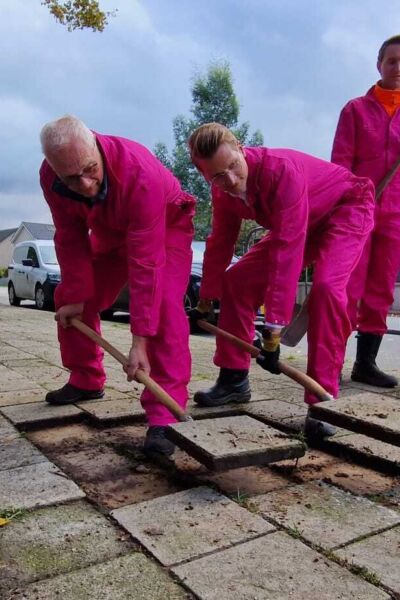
(33, 273)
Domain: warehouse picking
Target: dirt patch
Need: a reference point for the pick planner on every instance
(107, 464)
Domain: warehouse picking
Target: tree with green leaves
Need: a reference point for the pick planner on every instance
(79, 14)
(213, 99)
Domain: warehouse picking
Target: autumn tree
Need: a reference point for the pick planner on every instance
(79, 14)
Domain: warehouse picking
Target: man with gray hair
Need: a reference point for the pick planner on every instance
(120, 216)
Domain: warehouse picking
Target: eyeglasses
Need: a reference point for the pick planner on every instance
(89, 171)
(220, 178)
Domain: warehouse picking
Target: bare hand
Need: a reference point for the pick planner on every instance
(67, 312)
(137, 358)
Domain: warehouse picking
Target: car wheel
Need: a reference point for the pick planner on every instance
(190, 301)
(40, 298)
(12, 297)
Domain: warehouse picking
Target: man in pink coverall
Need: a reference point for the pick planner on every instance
(316, 213)
(120, 216)
(367, 142)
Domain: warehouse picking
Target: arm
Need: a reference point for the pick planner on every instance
(72, 244)
(220, 247)
(285, 245)
(343, 149)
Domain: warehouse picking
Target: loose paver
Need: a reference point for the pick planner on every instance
(130, 577)
(41, 413)
(17, 452)
(22, 396)
(273, 567)
(379, 554)
(112, 411)
(373, 451)
(189, 524)
(41, 484)
(325, 515)
(51, 541)
(371, 414)
(231, 442)
(7, 430)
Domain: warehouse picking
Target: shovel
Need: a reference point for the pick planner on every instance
(140, 375)
(304, 380)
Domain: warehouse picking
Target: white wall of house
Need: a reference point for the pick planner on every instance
(23, 236)
(6, 250)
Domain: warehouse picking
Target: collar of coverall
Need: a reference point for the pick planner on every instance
(390, 99)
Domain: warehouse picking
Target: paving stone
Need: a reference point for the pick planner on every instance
(273, 567)
(131, 577)
(232, 442)
(380, 554)
(371, 414)
(40, 413)
(372, 451)
(286, 414)
(41, 371)
(56, 540)
(7, 431)
(111, 411)
(188, 524)
(17, 452)
(325, 515)
(42, 484)
(22, 396)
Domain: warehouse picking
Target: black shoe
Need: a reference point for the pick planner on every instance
(157, 442)
(232, 385)
(365, 369)
(315, 429)
(69, 394)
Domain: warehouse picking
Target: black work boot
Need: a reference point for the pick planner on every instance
(316, 429)
(157, 442)
(232, 385)
(365, 369)
(69, 394)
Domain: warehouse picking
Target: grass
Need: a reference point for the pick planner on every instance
(244, 500)
(12, 513)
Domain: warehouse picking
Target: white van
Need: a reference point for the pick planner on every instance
(33, 273)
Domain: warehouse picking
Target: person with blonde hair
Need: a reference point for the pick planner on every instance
(120, 216)
(315, 213)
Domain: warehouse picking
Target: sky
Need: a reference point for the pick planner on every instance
(295, 63)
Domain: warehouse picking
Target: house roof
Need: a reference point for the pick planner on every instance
(38, 231)
(4, 233)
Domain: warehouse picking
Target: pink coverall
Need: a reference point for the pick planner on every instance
(140, 233)
(316, 212)
(367, 142)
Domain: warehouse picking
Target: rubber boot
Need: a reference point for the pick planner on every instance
(365, 369)
(232, 385)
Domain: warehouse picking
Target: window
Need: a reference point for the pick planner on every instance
(48, 255)
(19, 254)
(33, 256)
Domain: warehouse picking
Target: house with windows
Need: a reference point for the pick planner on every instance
(26, 231)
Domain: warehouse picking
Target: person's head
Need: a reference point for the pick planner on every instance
(71, 150)
(219, 157)
(389, 63)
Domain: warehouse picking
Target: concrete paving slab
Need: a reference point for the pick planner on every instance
(41, 371)
(112, 411)
(277, 412)
(51, 541)
(379, 554)
(22, 396)
(18, 452)
(232, 442)
(273, 567)
(371, 414)
(131, 577)
(35, 414)
(42, 484)
(7, 430)
(375, 453)
(189, 524)
(325, 515)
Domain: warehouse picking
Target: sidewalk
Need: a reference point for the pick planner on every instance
(88, 517)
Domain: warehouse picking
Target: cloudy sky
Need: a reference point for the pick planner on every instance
(295, 63)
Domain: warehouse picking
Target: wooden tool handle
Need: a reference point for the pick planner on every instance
(140, 376)
(307, 382)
